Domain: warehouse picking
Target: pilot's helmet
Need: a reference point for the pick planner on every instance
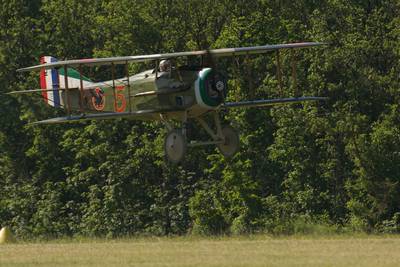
(165, 65)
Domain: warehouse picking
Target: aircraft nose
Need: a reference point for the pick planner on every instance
(216, 86)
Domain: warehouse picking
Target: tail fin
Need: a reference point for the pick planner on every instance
(52, 80)
(50, 83)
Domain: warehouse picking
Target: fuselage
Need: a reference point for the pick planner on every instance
(185, 89)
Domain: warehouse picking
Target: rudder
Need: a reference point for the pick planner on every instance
(50, 83)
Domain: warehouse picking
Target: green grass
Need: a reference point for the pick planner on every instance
(227, 251)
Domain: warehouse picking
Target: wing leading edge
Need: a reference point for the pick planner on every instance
(270, 102)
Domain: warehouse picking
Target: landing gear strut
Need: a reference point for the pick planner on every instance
(226, 138)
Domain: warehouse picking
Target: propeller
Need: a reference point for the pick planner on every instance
(217, 85)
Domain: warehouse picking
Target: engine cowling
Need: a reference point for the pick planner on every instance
(211, 88)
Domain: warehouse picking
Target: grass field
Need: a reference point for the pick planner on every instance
(189, 251)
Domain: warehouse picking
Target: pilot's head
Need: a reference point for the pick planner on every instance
(165, 65)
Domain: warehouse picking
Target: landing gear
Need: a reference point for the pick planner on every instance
(230, 146)
(175, 146)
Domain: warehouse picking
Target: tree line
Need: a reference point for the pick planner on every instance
(331, 165)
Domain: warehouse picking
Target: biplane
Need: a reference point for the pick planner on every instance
(168, 93)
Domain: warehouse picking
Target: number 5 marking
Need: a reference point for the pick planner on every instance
(120, 102)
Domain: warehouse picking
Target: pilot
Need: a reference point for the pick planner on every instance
(164, 75)
(165, 65)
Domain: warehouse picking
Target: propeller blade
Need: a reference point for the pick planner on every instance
(211, 62)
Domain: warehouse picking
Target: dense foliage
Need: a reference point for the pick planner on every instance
(333, 164)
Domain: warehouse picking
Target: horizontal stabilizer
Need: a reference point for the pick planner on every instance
(271, 102)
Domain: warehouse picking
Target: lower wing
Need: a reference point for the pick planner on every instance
(137, 115)
(270, 102)
(149, 114)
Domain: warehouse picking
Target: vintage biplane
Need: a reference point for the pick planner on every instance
(169, 93)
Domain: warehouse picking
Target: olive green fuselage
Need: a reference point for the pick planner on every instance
(169, 93)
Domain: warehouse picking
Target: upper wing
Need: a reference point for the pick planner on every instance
(270, 102)
(223, 52)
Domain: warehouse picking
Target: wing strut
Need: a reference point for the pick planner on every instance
(81, 90)
(279, 72)
(156, 68)
(294, 73)
(129, 85)
(250, 82)
(113, 82)
(67, 90)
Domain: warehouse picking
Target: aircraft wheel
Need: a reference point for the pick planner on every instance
(175, 146)
(231, 145)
